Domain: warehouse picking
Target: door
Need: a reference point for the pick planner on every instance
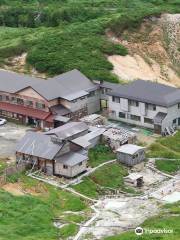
(157, 129)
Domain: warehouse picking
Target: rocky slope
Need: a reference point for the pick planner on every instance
(154, 51)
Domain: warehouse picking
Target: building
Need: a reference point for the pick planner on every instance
(62, 151)
(134, 179)
(115, 137)
(146, 104)
(43, 103)
(53, 152)
(130, 154)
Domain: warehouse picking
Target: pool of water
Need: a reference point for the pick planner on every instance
(173, 197)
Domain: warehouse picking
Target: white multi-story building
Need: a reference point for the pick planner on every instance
(146, 104)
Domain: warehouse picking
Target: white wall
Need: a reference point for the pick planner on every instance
(172, 113)
(139, 111)
(70, 171)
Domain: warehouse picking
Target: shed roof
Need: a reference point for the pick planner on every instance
(85, 141)
(60, 110)
(159, 117)
(134, 176)
(129, 149)
(148, 92)
(39, 145)
(61, 119)
(71, 158)
(68, 130)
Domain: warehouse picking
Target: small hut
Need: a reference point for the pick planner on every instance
(134, 179)
(130, 154)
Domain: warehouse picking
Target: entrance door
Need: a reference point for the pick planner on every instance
(157, 129)
(31, 121)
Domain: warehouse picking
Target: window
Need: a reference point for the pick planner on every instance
(105, 90)
(116, 99)
(178, 105)
(148, 120)
(1, 97)
(65, 166)
(151, 107)
(14, 100)
(122, 115)
(40, 105)
(133, 103)
(174, 121)
(7, 98)
(80, 164)
(29, 103)
(20, 101)
(135, 117)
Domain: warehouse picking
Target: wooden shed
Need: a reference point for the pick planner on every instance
(130, 154)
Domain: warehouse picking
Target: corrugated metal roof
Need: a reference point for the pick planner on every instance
(71, 158)
(68, 130)
(148, 92)
(39, 145)
(61, 119)
(85, 141)
(129, 149)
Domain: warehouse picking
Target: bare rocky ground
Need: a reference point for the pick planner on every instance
(19, 64)
(153, 51)
(118, 214)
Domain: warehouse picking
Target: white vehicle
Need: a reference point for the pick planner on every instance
(2, 121)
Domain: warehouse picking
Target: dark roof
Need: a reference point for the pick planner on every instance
(60, 110)
(70, 85)
(148, 92)
(159, 117)
(12, 82)
(71, 158)
(68, 130)
(39, 145)
(112, 86)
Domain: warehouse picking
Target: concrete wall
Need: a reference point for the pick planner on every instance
(93, 102)
(140, 110)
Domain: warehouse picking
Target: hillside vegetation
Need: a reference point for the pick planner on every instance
(61, 35)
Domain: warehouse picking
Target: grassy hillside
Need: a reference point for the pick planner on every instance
(169, 148)
(30, 216)
(61, 35)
